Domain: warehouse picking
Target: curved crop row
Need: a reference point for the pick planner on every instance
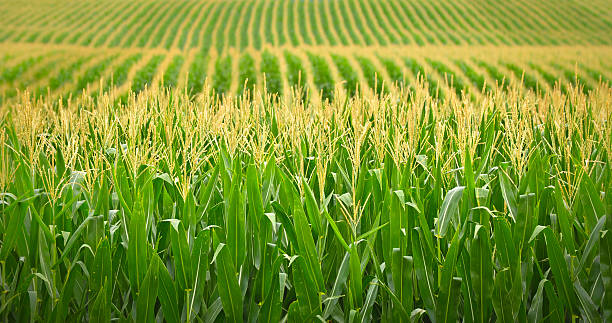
(270, 69)
(222, 79)
(477, 79)
(94, 73)
(144, 76)
(66, 74)
(449, 76)
(528, 80)
(247, 74)
(348, 74)
(499, 77)
(173, 70)
(395, 72)
(323, 79)
(196, 74)
(121, 71)
(419, 72)
(10, 74)
(296, 74)
(372, 76)
(146, 23)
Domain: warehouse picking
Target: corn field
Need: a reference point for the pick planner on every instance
(399, 207)
(305, 161)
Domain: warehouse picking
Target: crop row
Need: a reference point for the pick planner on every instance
(379, 73)
(238, 23)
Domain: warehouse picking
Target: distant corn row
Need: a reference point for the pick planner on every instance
(64, 72)
(220, 25)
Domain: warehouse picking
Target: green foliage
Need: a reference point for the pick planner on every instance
(144, 76)
(394, 71)
(173, 70)
(349, 76)
(66, 74)
(182, 41)
(322, 76)
(373, 77)
(448, 76)
(10, 74)
(574, 78)
(182, 222)
(197, 74)
(222, 79)
(248, 74)
(477, 79)
(419, 72)
(499, 77)
(120, 73)
(94, 73)
(296, 74)
(528, 80)
(270, 69)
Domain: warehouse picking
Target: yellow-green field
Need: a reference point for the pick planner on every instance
(63, 48)
(305, 161)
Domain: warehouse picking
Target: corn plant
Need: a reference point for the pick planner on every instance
(396, 207)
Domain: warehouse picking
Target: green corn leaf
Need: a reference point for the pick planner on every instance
(558, 266)
(605, 260)
(334, 227)
(446, 307)
(424, 273)
(307, 297)
(256, 215)
(591, 243)
(589, 310)
(12, 229)
(535, 311)
(102, 268)
(235, 223)
(401, 271)
(271, 308)
(355, 276)
(366, 312)
(227, 283)
(501, 295)
(481, 272)
(312, 209)
(182, 259)
(100, 310)
(167, 294)
(448, 209)
(306, 245)
(343, 273)
(145, 304)
(137, 247)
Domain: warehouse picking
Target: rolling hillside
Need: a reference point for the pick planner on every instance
(63, 48)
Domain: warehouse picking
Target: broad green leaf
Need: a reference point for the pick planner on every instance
(137, 247)
(306, 244)
(343, 273)
(448, 210)
(145, 304)
(167, 294)
(355, 276)
(235, 223)
(446, 307)
(227, 283)
(401, 271)
(481, 272)
(307, 297)
(423, 268)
